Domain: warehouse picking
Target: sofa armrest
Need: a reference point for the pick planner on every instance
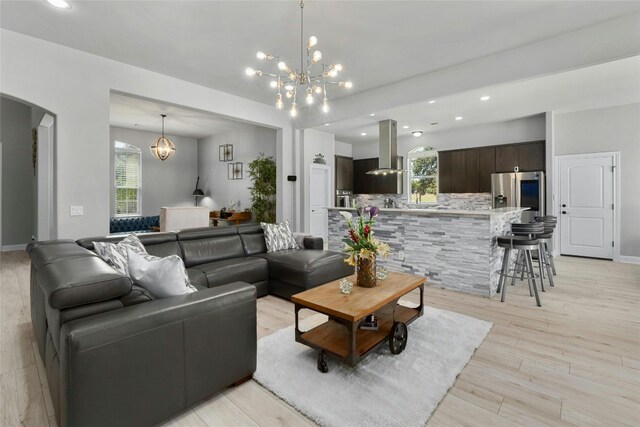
(144, 363)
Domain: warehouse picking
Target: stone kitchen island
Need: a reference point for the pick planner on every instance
(453, 249)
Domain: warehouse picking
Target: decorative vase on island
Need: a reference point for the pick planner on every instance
(366, 272)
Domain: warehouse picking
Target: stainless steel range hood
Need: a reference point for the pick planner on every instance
(388, 156)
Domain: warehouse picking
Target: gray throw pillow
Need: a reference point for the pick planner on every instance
(278, 237)
(163, 277)
(116, 254)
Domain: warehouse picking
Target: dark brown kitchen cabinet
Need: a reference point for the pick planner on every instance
(486, 166)
(344, 173)
(471, 170)
(506, 157)
(444, 172)
(531, 156)
(458, 176)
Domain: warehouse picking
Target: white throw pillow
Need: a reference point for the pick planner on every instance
(163, 277)
(116, 254)
(278, 237)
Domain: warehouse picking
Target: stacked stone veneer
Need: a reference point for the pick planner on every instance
(452, 251)
(469, 201)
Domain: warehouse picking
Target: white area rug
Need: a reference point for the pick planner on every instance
(382, 390)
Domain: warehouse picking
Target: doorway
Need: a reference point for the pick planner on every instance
(319, 200)
(588, 188)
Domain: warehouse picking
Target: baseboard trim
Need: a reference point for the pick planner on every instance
(8, 248)
(629, 259)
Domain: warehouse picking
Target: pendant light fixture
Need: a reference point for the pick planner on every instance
(162, 148)
(309, 80)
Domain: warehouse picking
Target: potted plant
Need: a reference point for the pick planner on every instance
(262, 172)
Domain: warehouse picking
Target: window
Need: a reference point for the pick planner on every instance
(127, 179)
(423, 175)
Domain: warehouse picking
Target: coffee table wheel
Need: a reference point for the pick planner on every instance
(398, 337)
(322, 364)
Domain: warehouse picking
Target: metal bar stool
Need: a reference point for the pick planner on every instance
(531, 230)
(550, 222)
(523, 244)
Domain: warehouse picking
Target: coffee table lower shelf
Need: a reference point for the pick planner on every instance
(334, 336)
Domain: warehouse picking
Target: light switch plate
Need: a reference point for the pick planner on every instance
(76, 211)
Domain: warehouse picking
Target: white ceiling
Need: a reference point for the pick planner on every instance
(378, 42)
(144, 115)
(598, 86)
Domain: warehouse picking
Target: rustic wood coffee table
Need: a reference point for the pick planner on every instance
(341, 336)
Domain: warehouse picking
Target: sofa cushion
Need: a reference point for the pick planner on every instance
(163, 277)
(78, 281)
(137, 295)
(278, 237)
(203, 245)
(158, 244)
(244, 269)
(307, 268)
(252, 239)
(116, 254)
(198, 278)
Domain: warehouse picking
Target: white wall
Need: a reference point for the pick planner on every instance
(344, 149)
(248, 142)
(609, 129)
(76, 86)
(520, 130)
(313, 142)
(18, 180)
(168, 183)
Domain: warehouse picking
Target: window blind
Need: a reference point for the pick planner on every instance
(127, 180)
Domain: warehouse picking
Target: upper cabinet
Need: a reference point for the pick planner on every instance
(527, 156)
(344, 173)
(469, 170)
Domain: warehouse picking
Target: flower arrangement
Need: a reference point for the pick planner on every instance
(360, 241)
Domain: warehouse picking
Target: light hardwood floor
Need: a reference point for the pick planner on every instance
(575, 361)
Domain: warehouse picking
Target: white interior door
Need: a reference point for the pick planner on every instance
(319, 200)
(586, 206)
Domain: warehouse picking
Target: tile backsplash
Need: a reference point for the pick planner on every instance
(467, 201)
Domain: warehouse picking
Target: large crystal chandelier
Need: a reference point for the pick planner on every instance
(309, 79)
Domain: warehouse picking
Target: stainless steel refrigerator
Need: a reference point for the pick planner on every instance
(519, 189)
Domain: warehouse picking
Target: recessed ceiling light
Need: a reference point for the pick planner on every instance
(416, 133)
(434, 124)
(459, 118)
(405, 127)
(363, 134)
(433, 101)
(60, 4)
(327, 124)
(485, 98)
(372, 114)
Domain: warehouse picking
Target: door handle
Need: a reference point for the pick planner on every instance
(564, 212)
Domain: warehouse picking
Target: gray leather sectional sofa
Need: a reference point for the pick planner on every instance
(116, 356)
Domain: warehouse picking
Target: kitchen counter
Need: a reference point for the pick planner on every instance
(454, 212)
(453, 248)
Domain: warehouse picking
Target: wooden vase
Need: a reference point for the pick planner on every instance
(366, 272)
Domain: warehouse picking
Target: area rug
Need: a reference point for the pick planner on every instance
(383, 389)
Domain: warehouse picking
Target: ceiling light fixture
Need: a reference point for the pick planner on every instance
(416, 133)
(372, 114)
(363, 134)
(485, 98)
(405, 127)
(306, 79)
(433, 101)
(162, 148)
(459, 118)
(60, 4)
